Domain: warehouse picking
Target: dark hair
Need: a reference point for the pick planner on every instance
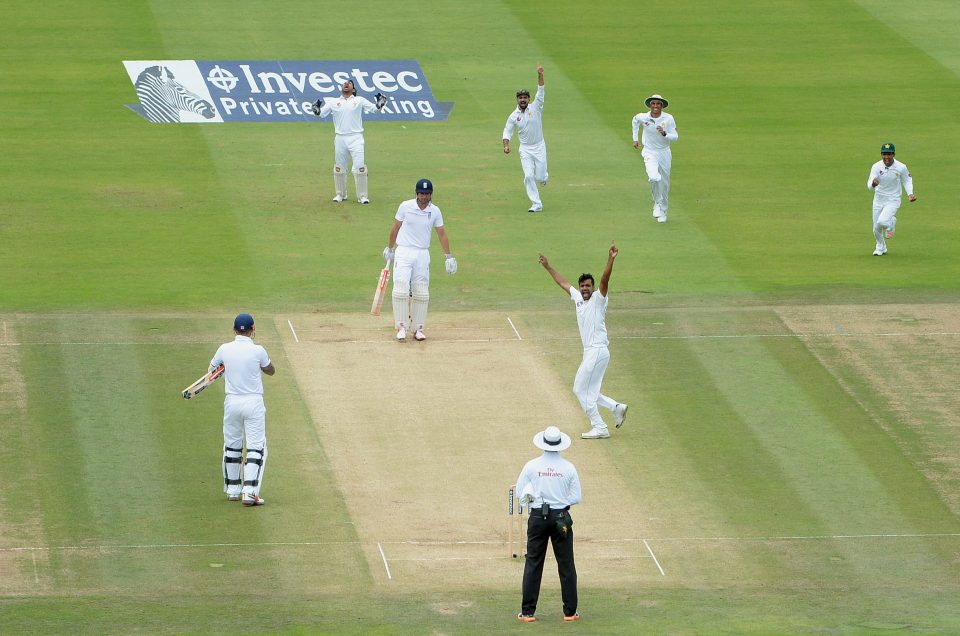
(584, 277)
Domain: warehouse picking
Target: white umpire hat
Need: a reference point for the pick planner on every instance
(647, 101)
(552, 440)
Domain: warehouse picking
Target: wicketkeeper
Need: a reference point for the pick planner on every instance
(347, 113)
(410, 235)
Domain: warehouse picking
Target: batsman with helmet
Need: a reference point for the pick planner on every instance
(244, 414)
(409, 249)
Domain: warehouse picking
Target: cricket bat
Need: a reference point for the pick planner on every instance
(203, 382)
(381, 290)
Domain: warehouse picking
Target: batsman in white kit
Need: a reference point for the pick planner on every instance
(887, 178)
(409, 249)
(347, 111)
(527, 120)
(244, 413)
(659, 133)
(592, 320)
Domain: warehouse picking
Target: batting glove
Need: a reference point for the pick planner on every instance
(451, 264)
(381, 101)
(387, 254)
(317, 105)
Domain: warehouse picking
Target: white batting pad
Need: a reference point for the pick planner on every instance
(418, 309)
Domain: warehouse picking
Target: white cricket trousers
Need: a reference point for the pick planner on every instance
(586, 385)
(246, 416)
(657, 164)
(533, 160)
(349, 147)
(884, 217)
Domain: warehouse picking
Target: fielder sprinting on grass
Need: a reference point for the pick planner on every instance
(592, 320)
(887, 178)
(659, 132)
(409, 248)
(527, 120)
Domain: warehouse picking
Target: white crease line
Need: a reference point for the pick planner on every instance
(294, 332)
(514, 328)
(384, 557)
(582, 540)
(654, 557)
(390, 341)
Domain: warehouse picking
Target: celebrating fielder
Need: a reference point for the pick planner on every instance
(347, 113)
(659, 131)
(527, 121)
(410, 235)
(592, 320)
(887, 177)
(244, 414)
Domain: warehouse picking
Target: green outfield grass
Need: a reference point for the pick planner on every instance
(792, 441)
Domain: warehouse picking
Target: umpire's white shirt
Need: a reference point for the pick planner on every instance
(528, 123)
(591, 318)
(417, 224)
(553, 480)
(653, 140)
(347, 113)
(243, 360)
(892, 179)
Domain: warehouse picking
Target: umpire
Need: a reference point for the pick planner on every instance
(549, 485)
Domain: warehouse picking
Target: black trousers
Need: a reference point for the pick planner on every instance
(558, 529)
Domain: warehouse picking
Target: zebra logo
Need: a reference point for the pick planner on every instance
(163, 98)
(171, 91)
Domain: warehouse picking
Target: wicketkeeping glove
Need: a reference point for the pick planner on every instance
(387, 254)
(451, 264)
(381, 101)
(317, 105)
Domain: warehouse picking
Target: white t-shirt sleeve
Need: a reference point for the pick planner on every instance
(217, 359)
(263, 357)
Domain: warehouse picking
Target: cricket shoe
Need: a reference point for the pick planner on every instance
(662, 218)
(890, 233)
(401, 333)
(596, 433)
(879, 251)
(364, 200)
(235, 497)
(657, 213)
(419, 336)
(526, 618)
(619, 414)
(249, 499)
(572, 617)
(339, 198)
(535, 208)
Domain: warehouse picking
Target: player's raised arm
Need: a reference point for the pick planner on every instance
(560, 280)
(605, 277)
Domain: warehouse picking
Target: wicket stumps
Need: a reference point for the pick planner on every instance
(514, 517)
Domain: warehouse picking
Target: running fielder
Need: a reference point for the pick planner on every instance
(244, 414)
(659, 132)
(410, 235)
(887, 177)
(347, 113)
(592, 321)
(527, 120)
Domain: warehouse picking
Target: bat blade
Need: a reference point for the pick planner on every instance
(203, 382)
(380, 291)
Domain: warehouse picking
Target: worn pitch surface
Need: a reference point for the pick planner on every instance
(426, 438)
